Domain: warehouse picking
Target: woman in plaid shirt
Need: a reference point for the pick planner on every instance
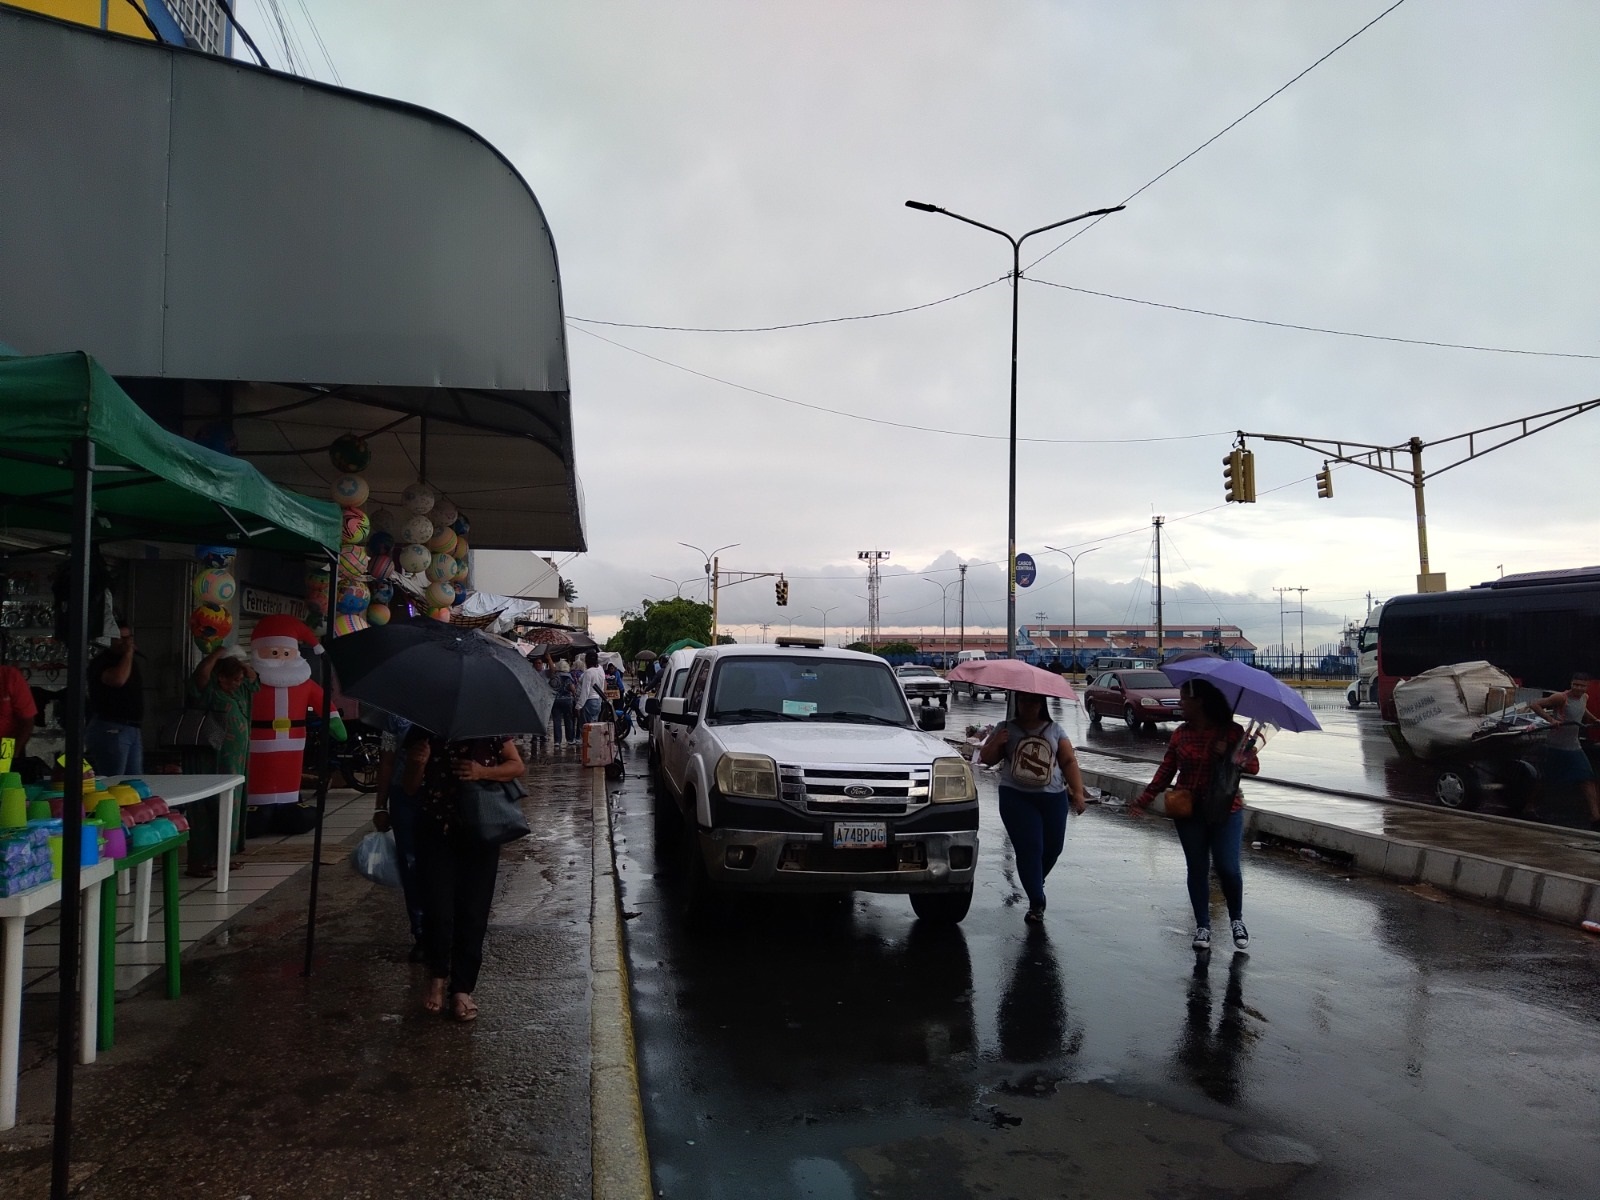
(1208, 734)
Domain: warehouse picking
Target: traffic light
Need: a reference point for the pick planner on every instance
(1325, 483)
(783, 591)
(1233, 477)
(1247, 477)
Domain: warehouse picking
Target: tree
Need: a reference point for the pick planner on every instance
(659, 624)
(889, 648)
(567, 590)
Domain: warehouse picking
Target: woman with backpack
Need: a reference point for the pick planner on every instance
(1210, 835)
(564, 712)
(1038, 769)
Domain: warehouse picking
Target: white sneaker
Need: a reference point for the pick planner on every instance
(1202, 938)
(1241, 936)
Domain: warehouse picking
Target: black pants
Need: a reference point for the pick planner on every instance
(456, 876)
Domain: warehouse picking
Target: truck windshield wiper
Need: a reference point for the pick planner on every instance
(862, 718)
(753, 714)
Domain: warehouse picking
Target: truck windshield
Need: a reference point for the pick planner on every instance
(778, 688)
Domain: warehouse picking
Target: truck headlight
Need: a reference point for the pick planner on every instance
(952, 781)
(752, 775)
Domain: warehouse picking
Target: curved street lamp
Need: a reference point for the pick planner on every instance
(825, 612)
(1073, 559)
(677, 584)
(944, 619)
(709, 555)
(1011, 491)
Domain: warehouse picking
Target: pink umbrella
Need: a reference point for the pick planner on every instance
(1012, 675)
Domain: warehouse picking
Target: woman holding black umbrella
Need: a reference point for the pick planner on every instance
(456, 870)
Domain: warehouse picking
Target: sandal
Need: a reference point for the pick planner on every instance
(463, 1007)
(433, 997)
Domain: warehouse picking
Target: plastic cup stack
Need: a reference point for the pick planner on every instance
(13, 801)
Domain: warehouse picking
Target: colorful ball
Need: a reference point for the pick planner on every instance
(462, 549)
(414, 558)
(215, 556)
(350, 491)
(352, 562)
(349, 453)
(383, 520)
(381, 566)
(441, 540)
(416, 529)
(215, 586)
(344, 623)
(377, 613)
(444, 512)
(380, 542)
(461, 593)
(440, 567)
(419, 498)
(382, 593)
(463, 569)
(357, 527)
(461, 525)
(210, 625)
(440, 614)
(353, 598)
(439, 594)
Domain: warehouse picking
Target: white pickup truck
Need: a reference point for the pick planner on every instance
(802, 769)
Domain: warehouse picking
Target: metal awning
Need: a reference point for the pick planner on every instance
(301, 259)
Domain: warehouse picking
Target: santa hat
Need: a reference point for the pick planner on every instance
(281, 630)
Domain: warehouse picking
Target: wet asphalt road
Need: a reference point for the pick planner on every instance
(1375, 1041)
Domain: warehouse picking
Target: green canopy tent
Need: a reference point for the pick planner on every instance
(83, 461)
(683, 644)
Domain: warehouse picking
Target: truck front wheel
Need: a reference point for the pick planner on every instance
(942, 908)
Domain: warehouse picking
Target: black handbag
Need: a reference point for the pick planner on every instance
(491, 810)
(194, 727)
(1214, 802)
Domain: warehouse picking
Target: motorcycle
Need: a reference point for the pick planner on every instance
(355, 759)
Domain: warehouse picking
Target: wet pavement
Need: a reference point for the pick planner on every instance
(1374, 1036)
(260, 1083)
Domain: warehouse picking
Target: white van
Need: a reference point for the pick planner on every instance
(973, 691)
(971, 656)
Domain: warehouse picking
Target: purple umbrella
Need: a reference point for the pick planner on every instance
(1250, 691)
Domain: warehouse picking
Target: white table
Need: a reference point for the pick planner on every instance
(14, 911)
(178, 790)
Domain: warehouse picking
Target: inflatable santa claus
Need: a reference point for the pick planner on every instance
(278, 710)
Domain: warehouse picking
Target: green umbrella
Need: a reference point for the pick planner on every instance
(683, 644)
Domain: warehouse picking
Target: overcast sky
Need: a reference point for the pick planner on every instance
(742, 164)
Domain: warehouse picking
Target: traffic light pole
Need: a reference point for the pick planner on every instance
(733, 577)
(1386, 460)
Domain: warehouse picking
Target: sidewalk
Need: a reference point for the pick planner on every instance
(1546, 871)
(259, 1082)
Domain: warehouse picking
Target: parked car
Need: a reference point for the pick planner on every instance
(923, 684)
(671, 680)
(1139, 697)
(801, 768)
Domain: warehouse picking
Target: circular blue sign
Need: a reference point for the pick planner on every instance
(1026, 571)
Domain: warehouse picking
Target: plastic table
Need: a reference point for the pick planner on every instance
(167, 852)
(14, 910)
(178, 790)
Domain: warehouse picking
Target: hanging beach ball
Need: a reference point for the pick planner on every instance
(440, 567)
(462, 549)
(441, 539)
(357, 527)
(414, 558)
(461, 594)
(210, 625)
(383, 520)
(461, 525)
(439, 594)
(352, 562)
(214, 586)
(382, 593)
(415, 528)
(444, 511)
(380, 542)
(377, 613)
(353, 597)
(344, 623)
(350, 491)
(440, 614)
(349, 453)
(419, 498)
(381, 566)
(459, 575)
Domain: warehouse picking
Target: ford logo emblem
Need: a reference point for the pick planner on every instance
(857, 791)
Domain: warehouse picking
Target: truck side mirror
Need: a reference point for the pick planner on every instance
(930, 718)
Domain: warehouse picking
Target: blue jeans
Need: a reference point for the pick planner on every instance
(113, 748)
(1036, 823)
(591, 711)
(1206, 846)
(403, 820)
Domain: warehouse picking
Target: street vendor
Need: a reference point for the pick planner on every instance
(1565, 761)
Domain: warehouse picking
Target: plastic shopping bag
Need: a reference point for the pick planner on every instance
(376, 858)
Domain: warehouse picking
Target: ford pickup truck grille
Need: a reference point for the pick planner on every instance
(854, 791)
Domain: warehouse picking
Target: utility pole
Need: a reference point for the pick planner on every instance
(765, 625)
(963, 644)
(872, 558)
(1281, 648)
(1302, 592)
(1160, 628)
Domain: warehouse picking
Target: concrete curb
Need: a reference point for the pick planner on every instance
(1553, 895)
(619, 1156)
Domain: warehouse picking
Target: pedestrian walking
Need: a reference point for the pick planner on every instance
(1565, 761)
(564, 712)
(591, 687)
(455, 869)
(1199, 749)
(1038, 772)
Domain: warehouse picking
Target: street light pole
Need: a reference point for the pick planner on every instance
(825, 612)
(1073, 559)
(677, 584)
(944, 614)
(708, 555)
(1011, 488)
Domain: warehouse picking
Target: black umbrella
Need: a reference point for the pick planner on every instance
(455, 683)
